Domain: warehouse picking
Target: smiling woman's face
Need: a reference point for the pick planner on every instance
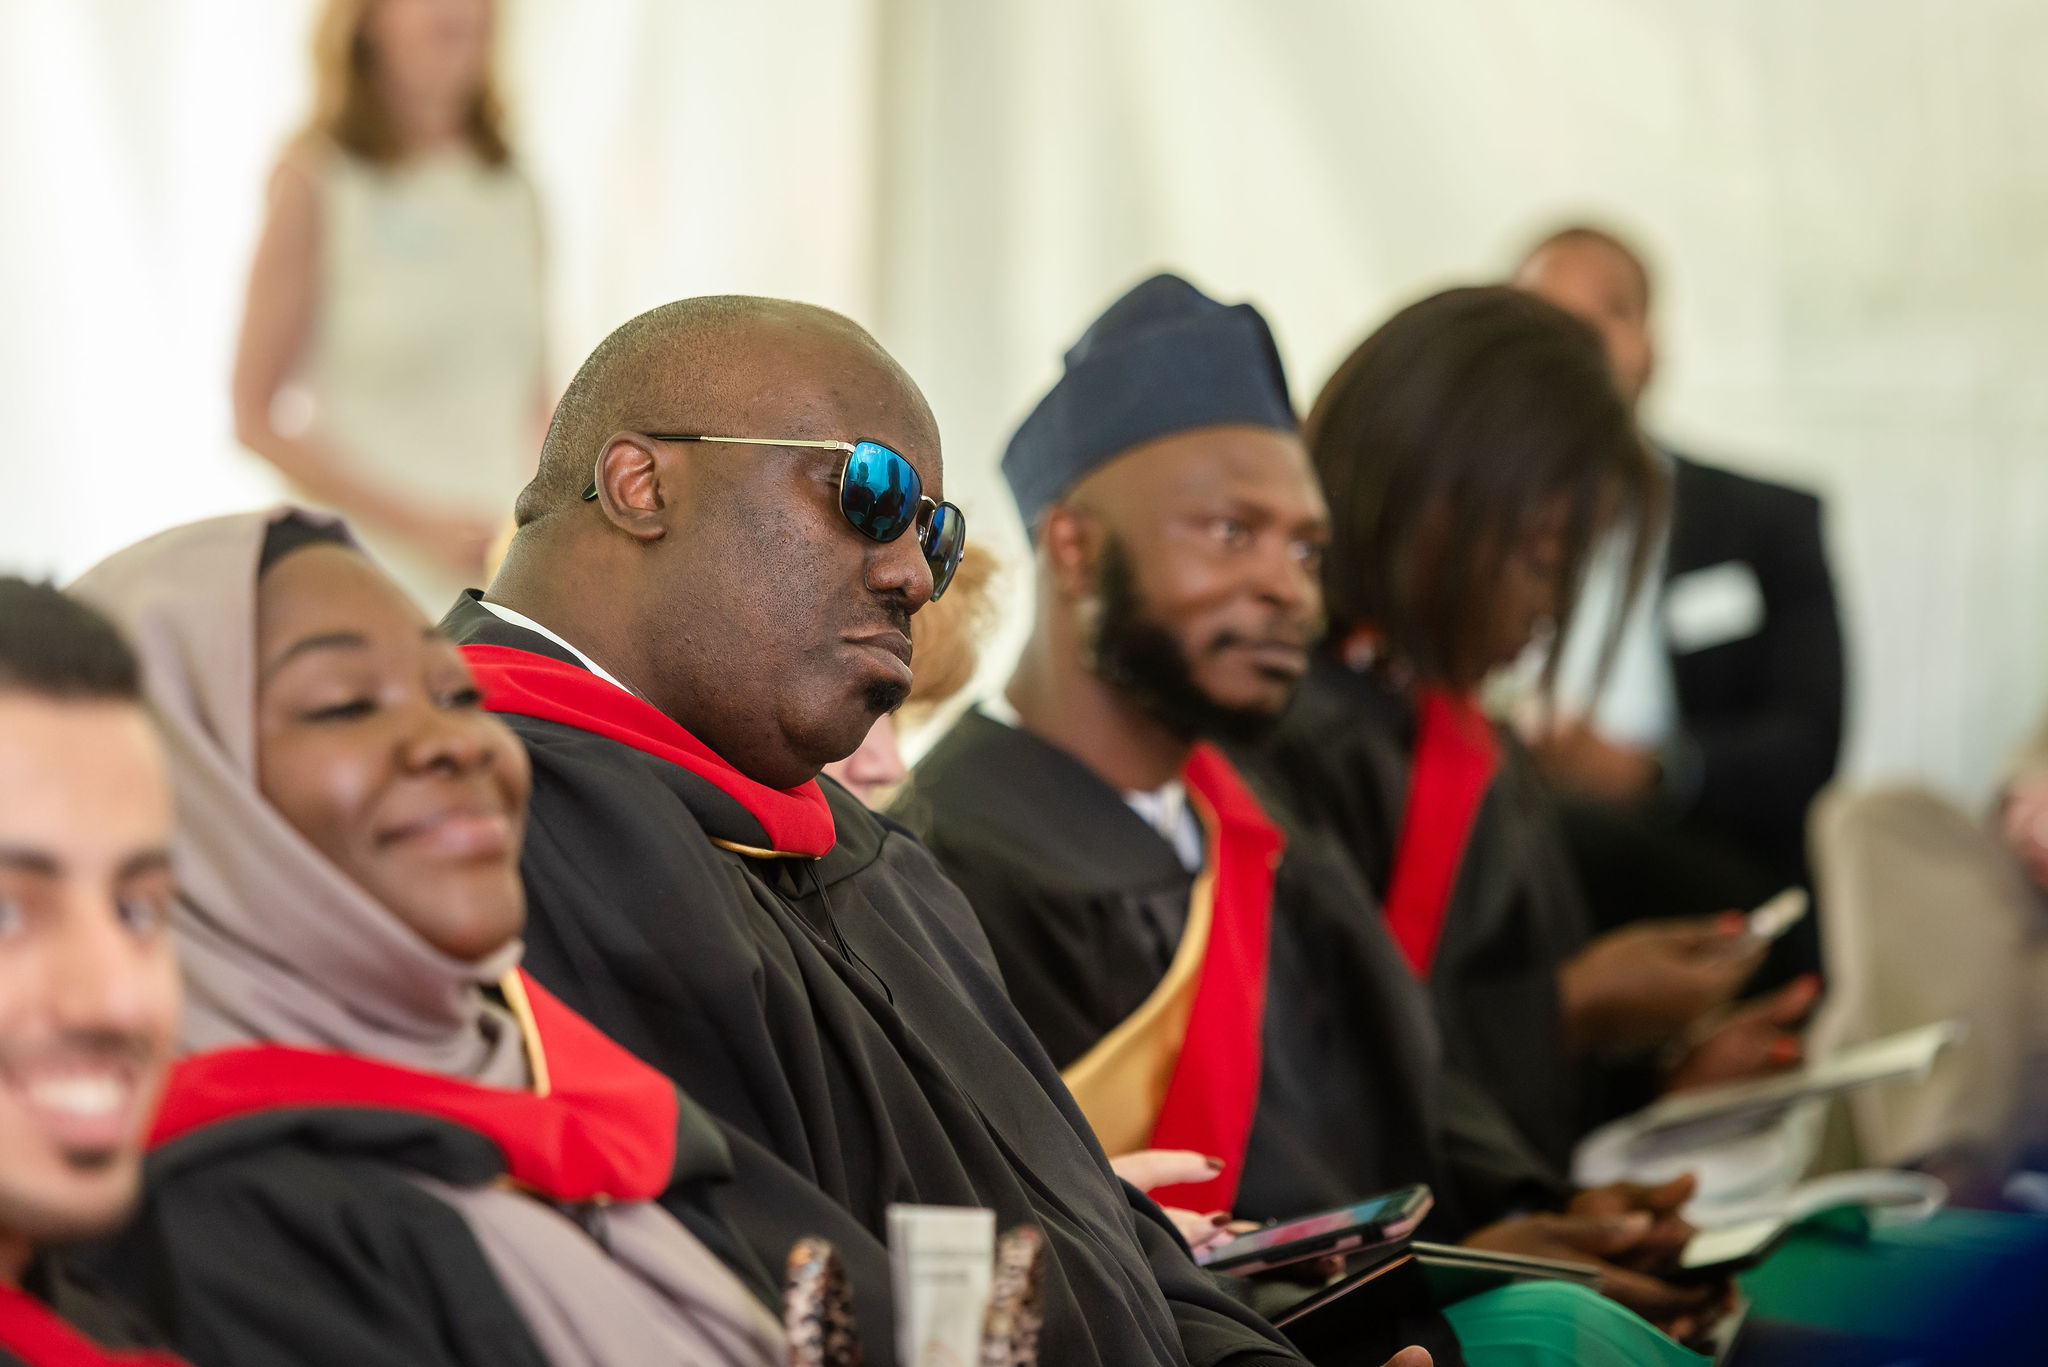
(371, 742)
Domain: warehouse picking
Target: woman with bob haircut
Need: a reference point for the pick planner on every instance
(1474, 450)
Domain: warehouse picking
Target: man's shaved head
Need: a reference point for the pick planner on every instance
(1593, 274)
(670, 369)
(1587, 237)
(722, 581)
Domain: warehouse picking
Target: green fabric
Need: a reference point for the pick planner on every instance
(1891, 1282)
(1559, 1324)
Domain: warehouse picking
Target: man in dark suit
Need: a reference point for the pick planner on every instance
(1697, 801)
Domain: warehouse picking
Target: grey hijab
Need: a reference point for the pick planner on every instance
(278, 945)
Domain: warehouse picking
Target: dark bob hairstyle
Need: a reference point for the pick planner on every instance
(1473, 412)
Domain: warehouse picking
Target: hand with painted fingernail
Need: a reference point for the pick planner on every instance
(1202, 1231)
(1756, 1040)
(1151, 1169)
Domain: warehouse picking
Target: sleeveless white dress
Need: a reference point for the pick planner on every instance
(426, 351)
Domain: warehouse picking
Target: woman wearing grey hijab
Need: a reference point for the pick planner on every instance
(385, 1144)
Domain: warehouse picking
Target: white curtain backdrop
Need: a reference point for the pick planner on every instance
(681, 146)
(1846, 200)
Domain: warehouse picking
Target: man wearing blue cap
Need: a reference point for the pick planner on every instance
(1209, 981)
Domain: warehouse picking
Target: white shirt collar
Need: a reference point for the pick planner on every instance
(1165, 809)
(520, 619)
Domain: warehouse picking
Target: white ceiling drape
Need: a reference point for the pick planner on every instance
(1846, 199)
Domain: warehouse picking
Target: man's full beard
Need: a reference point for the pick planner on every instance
(1140, 657)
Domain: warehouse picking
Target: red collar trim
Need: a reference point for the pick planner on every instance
(793, 821)
(36, 1334)
(605, 1129)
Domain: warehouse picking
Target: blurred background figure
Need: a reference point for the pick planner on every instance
(872, 772)
(390, 362)
(1690, 773)
(1933, 914)
(2023, 809)
(946, 641)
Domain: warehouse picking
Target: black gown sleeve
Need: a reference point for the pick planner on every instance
(285, 1258)
(1062, 958)
(1215, 1328)
(1498, 1172)
(770, 1208)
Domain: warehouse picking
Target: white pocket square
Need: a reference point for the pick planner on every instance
(1712, 607)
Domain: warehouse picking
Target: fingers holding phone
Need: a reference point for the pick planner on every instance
(1759, 1039)
(1644, 984)
(1148, 1169)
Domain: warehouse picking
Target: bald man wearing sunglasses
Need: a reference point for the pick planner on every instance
(738, 509)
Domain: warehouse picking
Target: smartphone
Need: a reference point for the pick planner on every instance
(1777, 916)
(1713, 1253)
(1382, 1219)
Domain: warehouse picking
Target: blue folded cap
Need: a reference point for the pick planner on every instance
(1165, 358)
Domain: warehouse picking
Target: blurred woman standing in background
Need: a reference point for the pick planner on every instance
(390, 363)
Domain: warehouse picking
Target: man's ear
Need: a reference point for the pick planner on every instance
(631, 486)
(1071, 539)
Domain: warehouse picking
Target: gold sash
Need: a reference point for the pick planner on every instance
(1121, 1082)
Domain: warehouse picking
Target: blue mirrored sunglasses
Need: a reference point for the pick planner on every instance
(880, 494)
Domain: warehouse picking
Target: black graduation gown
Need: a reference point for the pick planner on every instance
(54, 1285)
(296, 1238)
(846, 1014)
(1085, 903)
(1764, 710)
(1340, 760)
